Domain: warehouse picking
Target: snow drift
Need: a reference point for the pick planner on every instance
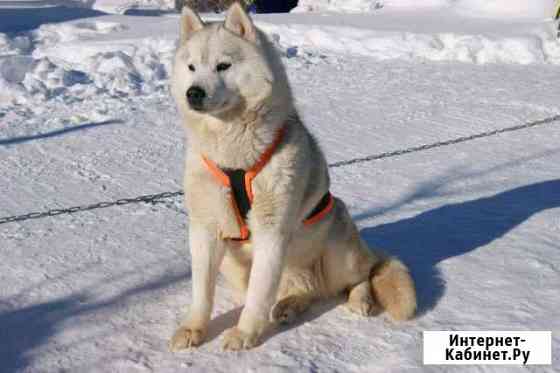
(359, 6)
(486, 8)
(121, 6)
(507, 8)
(72, 60)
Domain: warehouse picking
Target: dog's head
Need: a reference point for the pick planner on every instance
(222, 66)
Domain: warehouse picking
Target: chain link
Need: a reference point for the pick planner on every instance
(157, 198)
(445, 142)
(148, 198)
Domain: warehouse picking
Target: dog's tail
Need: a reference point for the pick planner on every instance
(393, 288)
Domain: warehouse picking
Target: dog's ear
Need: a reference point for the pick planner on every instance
(190, 23)
(238, 21)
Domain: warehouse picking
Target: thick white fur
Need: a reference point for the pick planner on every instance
(286, 265)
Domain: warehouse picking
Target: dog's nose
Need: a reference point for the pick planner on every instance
(196, 96)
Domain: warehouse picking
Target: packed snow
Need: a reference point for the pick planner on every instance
(108, 6)
(542, 9)
(86, 116)
(122, 6)
(113, 55)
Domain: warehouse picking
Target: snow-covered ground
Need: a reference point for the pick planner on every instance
(108, 6)
(85, 116)
(125, 55)
(487, 8)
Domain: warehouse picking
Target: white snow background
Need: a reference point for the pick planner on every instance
(85, 116)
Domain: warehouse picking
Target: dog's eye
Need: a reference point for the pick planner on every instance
(223, 66)
(191, 67)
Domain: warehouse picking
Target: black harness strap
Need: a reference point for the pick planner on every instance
(237, 181)
(323, 203)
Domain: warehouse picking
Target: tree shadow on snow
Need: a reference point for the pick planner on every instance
(430, 237)
(62, 131)
(24, 19)
(25, 329)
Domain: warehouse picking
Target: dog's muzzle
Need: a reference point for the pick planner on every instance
(195, 97)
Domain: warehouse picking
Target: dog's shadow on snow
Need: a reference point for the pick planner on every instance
(24, 330)
(433, 236)
(230, 318)
(430, 237)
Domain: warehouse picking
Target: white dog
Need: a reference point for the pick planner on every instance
(257, 192)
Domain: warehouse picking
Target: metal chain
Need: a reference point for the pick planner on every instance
(157, 198)
(444, 143)
(148, 198)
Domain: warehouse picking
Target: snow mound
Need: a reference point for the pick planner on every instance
(357, 6)
(62, 60)
(539, 47)
(23, 76)
(478, 8)
(507, 8)
(47, 79)
(414, 4)
(119, 73)
(121, 6)
(14, 45)
(74, 60)
(49, 34)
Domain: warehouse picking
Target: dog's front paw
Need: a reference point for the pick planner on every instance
(186, 337)
(234, 340)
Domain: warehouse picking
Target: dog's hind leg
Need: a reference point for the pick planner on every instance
(373, 281)
(361, 301)
(287, 309)
(389, 287)
(298, 290)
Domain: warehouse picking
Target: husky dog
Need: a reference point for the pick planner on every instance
(257, 193)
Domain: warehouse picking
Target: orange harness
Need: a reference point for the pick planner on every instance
(240, 183)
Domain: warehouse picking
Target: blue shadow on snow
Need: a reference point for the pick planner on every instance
(22, 139)
(25, 329)
(431, 237)
(25, 19)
